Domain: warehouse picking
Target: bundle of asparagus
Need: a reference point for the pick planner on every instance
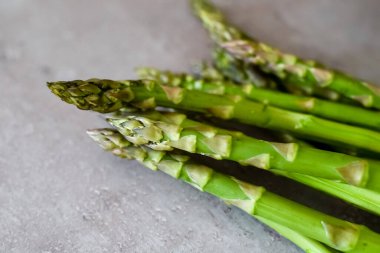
(242, 86)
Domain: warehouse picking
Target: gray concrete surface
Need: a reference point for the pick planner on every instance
(60, 193)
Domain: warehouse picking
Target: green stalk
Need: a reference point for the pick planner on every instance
(294, 70)
(215, 23)
(255, 200)
(306, 244)
(360, 197)
(167, 130)
(325, 109)
(222, 32)
(308, 75)
(239, 71)
(108, 96)
(212, 82)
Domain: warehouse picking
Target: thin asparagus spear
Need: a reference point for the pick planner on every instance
(214, 21)
(108, 96)
(164, 130)
(294, 70)
(222, 32)
(255, 200)
(325, 109)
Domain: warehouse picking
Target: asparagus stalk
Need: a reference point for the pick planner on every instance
(306, 244)
(360, 197)
(214, 21)
(108, 96)
(209, 75)
(203, 139)
(325, 109)
(294, 70)
(162, 130)
(222, 32)
(239, 71)
(255, 200)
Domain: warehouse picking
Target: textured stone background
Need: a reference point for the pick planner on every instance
(60, 193)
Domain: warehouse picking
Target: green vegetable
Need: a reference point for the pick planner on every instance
(326, 109)
(107, 96)
(306, 73)
(268, 207)
(222, 32)
(166, 130)
(239, 71)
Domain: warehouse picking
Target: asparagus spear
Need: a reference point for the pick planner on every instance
(306, 244)
(108, 96)
(214, 21)
(162, 130)
(255, 200)
(222, 32)
(292, 69)
(239, 71)
(326, 109)
(204, 139)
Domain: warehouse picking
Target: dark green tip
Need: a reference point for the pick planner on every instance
(99, 95)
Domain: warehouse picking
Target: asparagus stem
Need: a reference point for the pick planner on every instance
(239, 71)
(214, 21)
(168, 130)
(326, 109)
(306, 244)
(222, 32)
(292, 70)
(108, 96)
(360, 197)
(255, 200)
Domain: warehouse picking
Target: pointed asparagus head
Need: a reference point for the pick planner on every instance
(111, 140)
(159, 131)
(214, 21)
(137, 130)
(99, 95)
(108, 139)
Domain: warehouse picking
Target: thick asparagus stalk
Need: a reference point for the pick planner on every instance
(325, 109)
(164, 130)
(108, 96)
(255, 200)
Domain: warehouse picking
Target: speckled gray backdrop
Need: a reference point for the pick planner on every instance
(60, 193)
